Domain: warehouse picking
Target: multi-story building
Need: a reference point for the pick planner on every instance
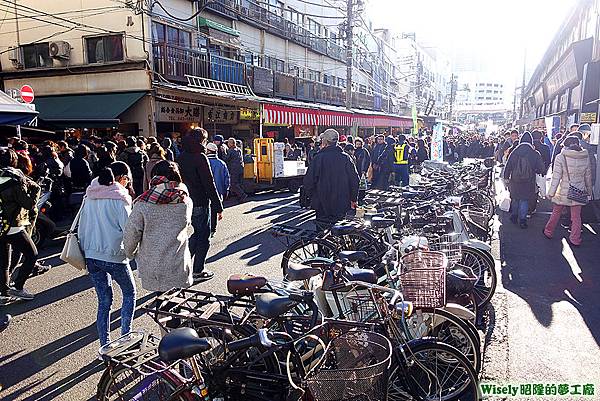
(566, 82)
(480, 97)
(423, 76)
(236, 67)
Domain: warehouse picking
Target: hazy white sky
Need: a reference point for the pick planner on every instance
(497, 29)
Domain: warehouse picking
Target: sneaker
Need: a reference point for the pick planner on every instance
(204, 276)
(22, 294)
(39, 269)
(4, 322)
(523, 225)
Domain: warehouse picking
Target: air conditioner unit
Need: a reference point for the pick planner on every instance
(60, 49)
(16, 56)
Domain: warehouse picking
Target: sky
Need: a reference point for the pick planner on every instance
(501, 31)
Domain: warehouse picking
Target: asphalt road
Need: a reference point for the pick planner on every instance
(543, 327)
(49, 350)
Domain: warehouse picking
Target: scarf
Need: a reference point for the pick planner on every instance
(162, 191)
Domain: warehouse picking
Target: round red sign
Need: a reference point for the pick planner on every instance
(27, 93)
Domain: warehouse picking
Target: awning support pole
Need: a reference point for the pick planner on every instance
(260, 125)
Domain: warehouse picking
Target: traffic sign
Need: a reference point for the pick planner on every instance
(27, 94)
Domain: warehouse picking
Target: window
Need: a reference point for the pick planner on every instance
(162, 33)
(313, 26)
(36, 55)
(273, 63)
(102, 49)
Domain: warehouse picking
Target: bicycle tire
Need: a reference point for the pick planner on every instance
(452, 331)
(303, 251)
(156, 387)
(405, 379)
(482, 266)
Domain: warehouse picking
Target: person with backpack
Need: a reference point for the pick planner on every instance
(521, 168)
(136, 159)
(18, 198)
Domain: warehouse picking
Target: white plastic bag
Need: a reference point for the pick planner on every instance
(540, 180)
(505, 201)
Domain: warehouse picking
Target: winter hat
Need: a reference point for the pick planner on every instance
(330, 136)
(343, 138)
(584, 127)
(211, 147)
(218, 138)
(526, 138)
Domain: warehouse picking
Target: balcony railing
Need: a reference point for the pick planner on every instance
(174, 62)
(261, 17)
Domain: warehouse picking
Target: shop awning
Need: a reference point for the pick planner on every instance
(13, 112)
(95, 110)
(219, 27)
(288, 115)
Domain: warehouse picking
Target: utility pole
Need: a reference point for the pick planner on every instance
(349, 47)
(523, 85)
(452, 95)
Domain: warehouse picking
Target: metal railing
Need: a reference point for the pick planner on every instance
(174, 62)
(263, 18)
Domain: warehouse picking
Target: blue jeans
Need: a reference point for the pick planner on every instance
(102, 273)
(200, 240)
(402, 174)
(519, 209)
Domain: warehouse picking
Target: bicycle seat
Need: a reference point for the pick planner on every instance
(353, 256)
(380, 222)
(181, 343)
(299, 272)
(366, 275)
(271, 305)
(344, 229)
(244, 284)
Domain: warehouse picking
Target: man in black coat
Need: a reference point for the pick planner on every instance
(198, 177)
(363, 158)
(331, 181)
(522, 165)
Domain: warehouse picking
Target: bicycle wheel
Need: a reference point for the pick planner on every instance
(484, 268)
(447, 328)
(303, 251)
(120, 383)
(433, 371)
(481, 201)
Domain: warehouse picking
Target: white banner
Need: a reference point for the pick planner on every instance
(549, 124)
(437, 143)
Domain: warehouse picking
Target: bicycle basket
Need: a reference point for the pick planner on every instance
(423, 281)
(354, 368)
(353, 304)
(448, 245)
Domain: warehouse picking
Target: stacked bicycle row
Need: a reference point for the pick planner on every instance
(378, 307)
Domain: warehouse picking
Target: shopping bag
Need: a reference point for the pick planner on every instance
(505, 201)
(540, 180)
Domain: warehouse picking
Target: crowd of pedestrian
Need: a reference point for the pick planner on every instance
(158, 202)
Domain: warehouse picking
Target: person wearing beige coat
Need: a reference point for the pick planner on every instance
(158, 232)
(571, 167)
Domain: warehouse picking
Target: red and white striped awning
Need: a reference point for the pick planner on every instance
(288, 115)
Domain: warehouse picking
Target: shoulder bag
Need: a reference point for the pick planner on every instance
(575, 194)
(71, 252)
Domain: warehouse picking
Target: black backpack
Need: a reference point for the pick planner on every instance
(4, 223)
(522, 171)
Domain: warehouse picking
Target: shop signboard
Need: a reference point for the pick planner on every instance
(177, 112)
(249, 114)
(220, 115)
(564, 74)
(588, 118)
